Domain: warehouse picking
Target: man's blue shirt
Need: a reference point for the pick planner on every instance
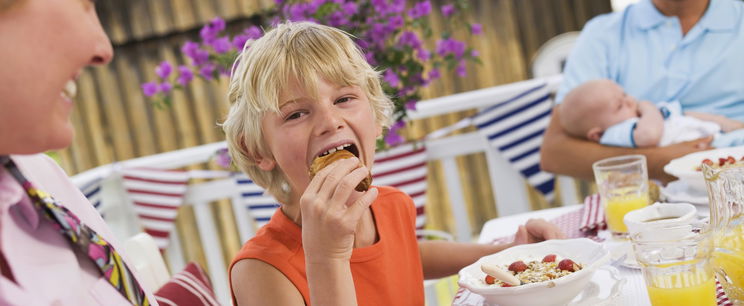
(645, 52)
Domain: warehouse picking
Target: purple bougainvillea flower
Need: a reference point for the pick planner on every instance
(461, 70)
(222, 158)
(164, 69)
(410, 39)
(396, 22)
(450, 46)
(423, 54)
(221, 45)
(434, 74)
(474, 53)
(476, 29)
(411, 105)
(448, 10)
(253, 32)
(201, 57)
(349, 8)
(165, 87)
(378, 34)
(370, 56)
(189, 48)
(420, 9)
(393, 138)
(239, 41)
(150, 89)
(391, 78)
(337, 19)
(211, 30)
(207, 71)
(185, 75)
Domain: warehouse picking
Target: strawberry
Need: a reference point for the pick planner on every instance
(518, 266)
(721, 161)
(549, 258)
(506, 285)
(490, 280)
(708, 162)
(731, 160)
(568, 265)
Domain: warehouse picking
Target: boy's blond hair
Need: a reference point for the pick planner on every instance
(301, 51)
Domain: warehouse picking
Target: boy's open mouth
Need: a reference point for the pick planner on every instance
(348, 147)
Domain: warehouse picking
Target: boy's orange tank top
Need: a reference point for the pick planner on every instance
(388, 272)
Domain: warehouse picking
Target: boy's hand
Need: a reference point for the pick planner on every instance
(536, 230)
(329, 219)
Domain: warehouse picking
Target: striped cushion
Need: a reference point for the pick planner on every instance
(188, 287)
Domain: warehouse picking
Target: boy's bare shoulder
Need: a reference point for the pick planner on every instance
(255, 282)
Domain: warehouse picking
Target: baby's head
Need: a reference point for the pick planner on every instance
(294, 92)
(592, 107)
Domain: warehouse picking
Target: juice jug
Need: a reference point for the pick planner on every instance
(726, 198)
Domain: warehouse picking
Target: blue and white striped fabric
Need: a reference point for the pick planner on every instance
(92, 191)
(261, 207)
(515, 127)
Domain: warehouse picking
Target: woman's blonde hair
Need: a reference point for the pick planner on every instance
(301, 51)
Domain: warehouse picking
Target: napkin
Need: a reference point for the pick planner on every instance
(592, 215)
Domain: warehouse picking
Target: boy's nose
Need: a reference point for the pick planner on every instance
(329, 121)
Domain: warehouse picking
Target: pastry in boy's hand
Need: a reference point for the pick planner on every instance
(323, 161)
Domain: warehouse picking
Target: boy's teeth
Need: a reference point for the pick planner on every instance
(341, 147)
(70, 89)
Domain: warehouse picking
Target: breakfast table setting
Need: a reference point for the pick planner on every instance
(618, 265)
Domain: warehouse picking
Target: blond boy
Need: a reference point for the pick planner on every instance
(296, 93)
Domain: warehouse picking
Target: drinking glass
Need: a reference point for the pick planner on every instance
(676, 265)
(622, 182)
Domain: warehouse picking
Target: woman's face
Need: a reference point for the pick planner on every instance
(44, 45)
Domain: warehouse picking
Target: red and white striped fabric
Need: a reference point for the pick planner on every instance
(156, 195)
(593, 217)
(188, 287)
(404, 167)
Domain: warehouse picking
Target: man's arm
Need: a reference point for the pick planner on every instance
(566, 155)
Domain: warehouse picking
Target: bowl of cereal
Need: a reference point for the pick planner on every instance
(688, 168)
(551, 272)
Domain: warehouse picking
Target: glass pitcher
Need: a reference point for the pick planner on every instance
(726, 198)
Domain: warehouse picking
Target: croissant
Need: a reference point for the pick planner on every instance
(323, 161)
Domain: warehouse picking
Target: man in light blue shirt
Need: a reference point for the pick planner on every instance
(658, 50)
(648, 55)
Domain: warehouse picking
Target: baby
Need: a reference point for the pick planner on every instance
(601, 111)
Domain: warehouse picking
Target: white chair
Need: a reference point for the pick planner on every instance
(144, 256)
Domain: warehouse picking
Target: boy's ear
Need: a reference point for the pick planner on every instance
(265, 164)
(594, 134)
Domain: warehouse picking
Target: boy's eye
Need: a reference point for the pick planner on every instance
(294, 115)
(343, 100)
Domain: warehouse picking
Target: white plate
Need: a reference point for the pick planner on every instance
(603, 289)
(679, 191)
(685, 167)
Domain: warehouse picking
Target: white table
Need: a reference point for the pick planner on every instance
(633, 293)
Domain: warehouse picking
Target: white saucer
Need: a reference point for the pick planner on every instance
(679, 191)
(603, 289)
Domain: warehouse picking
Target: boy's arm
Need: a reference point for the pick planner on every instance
(649, 127)
(566, 155)
(727, 124)
(444, 258)
(255, 282)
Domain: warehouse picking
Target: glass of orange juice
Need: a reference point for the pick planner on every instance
(676, 265)
(623, 186)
